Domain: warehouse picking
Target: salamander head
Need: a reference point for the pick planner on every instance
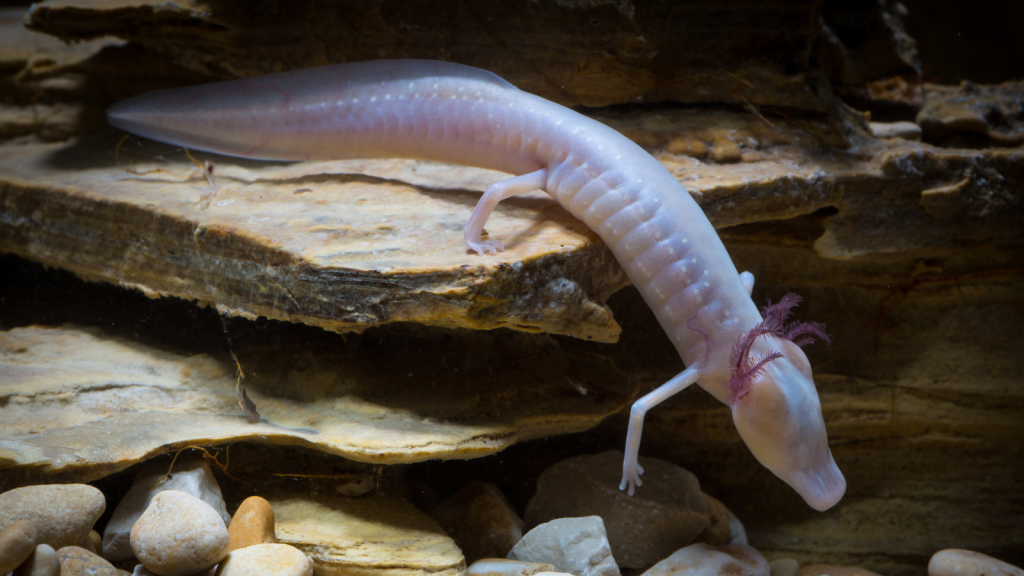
(776, 409)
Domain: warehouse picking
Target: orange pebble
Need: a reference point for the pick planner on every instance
(253, 523)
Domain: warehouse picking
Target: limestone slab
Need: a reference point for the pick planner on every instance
(131, 401)
(308, 243)
(365, 536)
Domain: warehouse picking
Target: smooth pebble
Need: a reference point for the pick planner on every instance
(506, 567)
(703, 560)
(575, 545)
(957, 562)
(833, 570)
(179, 535)
(77, 561)
(737, 533)
(42, 562)
(63, 514)
(191, 476)
(784, 567)
(253, 523)
(264, 560)
(17, 542)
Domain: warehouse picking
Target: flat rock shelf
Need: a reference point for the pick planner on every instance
(87, 404)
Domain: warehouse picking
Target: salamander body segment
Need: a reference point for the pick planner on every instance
(452, 113)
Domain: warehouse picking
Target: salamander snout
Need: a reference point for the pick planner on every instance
(780, 421)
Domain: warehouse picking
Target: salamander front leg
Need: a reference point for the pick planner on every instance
(496, 193)
(631, 469)
(748, 282)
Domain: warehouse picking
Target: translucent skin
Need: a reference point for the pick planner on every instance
(452, 113)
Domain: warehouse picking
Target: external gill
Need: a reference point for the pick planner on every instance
(745, 366)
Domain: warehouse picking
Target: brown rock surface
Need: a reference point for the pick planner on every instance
(480, 520)
(971, 115)
(663, 517)
(356, 400)
(717, 532)
(252, 523)
(365, 536)
(594, 54)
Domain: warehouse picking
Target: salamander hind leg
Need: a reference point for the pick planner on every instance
(496, 193)
(631, 469)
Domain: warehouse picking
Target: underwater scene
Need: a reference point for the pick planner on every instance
(510, 288)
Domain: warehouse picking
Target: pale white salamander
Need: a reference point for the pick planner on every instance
(453, 113)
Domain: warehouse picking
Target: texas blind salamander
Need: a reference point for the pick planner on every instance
(453, 113)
